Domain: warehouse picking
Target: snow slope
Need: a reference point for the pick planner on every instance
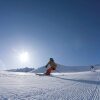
(67, 86)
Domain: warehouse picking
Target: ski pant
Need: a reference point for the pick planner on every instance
(49, 70)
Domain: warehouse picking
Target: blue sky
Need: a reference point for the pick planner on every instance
(67, 30)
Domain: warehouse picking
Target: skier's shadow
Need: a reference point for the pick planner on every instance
(80, 80)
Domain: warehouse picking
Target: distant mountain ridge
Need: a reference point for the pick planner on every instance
(62, 68)
(26, 69)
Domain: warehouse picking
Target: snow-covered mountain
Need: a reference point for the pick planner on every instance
(26, 69)
(62, 68)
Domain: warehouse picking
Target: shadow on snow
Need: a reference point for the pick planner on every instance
(80, 80)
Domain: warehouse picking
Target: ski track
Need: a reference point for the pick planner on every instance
(80, 86)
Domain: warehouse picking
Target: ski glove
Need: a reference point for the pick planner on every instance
(46, 66)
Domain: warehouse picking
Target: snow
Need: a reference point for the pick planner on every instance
(58, 86)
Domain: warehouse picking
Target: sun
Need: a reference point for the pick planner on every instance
(24, 57)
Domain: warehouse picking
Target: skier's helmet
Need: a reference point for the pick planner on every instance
(92, 66)
(51, 59)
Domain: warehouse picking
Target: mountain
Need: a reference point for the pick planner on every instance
(62, 68)
(26, 69)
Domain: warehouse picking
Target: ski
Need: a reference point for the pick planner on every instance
(41, 74)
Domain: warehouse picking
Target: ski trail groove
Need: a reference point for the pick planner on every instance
(94, 95)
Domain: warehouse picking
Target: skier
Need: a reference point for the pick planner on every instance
(92, 68)
(52, 67)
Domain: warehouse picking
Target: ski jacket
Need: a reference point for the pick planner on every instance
(52, 64)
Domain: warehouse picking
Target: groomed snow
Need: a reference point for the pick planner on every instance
(59, 86)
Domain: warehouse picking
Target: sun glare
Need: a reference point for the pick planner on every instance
(24, 57)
